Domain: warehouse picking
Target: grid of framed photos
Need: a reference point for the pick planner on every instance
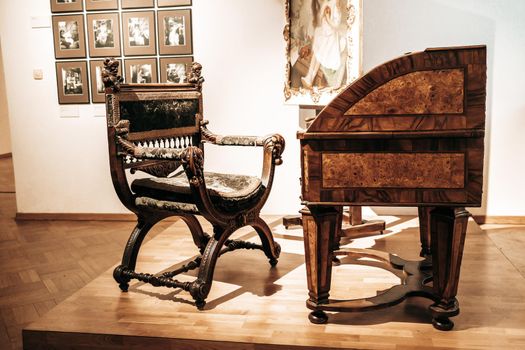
(151, 38)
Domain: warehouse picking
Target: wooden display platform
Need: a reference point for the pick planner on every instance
(253, 306)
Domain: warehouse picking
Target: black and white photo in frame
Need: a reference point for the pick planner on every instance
(72, 82)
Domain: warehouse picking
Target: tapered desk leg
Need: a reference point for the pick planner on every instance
(424, 230)
(447, 228)
(320, 225)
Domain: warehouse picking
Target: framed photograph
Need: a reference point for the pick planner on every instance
(173, 3)
(66, 5)
(72, 82)
(323, 40)
(141, 71)
(68, 35)
(103, 34)
(94, 5)
(134, 4)
(174, 30)
(139, 33)
(97, 85)
(175, 69)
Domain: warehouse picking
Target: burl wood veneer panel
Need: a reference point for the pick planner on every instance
(425, 92)
(397, 170)
(386, 99)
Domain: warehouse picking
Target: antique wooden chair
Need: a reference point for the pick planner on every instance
(158, 129)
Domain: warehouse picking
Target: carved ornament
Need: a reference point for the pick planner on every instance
(110, 76)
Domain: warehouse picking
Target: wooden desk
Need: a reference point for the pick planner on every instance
(408, 133)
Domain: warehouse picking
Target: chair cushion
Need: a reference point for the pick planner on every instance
(157, 204)
(227, 191)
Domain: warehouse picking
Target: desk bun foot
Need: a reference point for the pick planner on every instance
(318, 317)
(442, 323)
(441, 313)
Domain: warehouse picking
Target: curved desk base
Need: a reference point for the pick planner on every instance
(447, 231)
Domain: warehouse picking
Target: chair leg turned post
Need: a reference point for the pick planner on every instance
(271, 248)
(129, 259)
(200, 288)
(200, 238)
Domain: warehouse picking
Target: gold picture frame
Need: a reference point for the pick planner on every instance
(323, 47)
(135, 4)
(97, 85)
(63, 6)
(140, 70)
(103, 34)
(174, 32)
(68, 36)
(139, 33)
(173, 3)
(72, 82)
(174, 69)
(96, 5)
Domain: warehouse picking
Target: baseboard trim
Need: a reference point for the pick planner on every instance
(79, 217)
(6, 155)
(480, 219)
(491, 219)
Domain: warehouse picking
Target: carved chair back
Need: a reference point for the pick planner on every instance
(149, 115)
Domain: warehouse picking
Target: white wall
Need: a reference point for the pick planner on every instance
(394, 27)
(61, 164)
(5, 136)
(241, 47)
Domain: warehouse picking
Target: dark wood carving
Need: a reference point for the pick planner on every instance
(195, 75)
(408, 133)
(110, 76)
(157, 129)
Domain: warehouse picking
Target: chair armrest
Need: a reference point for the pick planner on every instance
(193, 164)
(275, 142)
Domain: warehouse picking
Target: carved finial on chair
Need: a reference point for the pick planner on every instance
(276, 142)
(195, 75)
(110, 75)
(192, 160)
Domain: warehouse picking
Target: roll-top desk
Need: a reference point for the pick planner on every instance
(408, 133)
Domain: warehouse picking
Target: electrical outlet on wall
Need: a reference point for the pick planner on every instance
(38, 74)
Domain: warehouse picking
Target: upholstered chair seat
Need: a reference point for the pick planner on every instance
(229, 192)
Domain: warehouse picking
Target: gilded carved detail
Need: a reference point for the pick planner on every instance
(351, 40)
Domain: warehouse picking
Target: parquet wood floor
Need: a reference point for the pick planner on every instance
(254, 307)
(7, 176)
(44, 262)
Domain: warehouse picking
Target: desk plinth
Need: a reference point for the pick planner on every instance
(447, 233)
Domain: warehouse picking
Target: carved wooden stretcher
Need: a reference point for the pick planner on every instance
(408, 133)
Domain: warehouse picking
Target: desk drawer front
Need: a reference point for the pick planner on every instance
(393, 170)
(401, 172)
